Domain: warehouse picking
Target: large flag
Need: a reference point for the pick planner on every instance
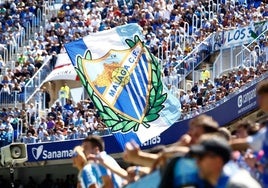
(123, 79)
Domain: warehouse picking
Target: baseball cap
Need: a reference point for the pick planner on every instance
(216, 145)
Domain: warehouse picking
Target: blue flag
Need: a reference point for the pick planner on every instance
(123, 79)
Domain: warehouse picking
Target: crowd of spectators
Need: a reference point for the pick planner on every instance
(74, 121)
(162, 23)
(206, 94)
(175, 50)
(18, 19)
(62, 122)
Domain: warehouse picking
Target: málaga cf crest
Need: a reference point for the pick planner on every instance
(124, 85)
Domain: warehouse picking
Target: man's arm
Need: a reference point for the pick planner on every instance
(255, 141)
(109, 165)
(117, 170)
(133, 154)
(239, 144)
(175, 150)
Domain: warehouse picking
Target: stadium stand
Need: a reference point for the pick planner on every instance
(177, 33)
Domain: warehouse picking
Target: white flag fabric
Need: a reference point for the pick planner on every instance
(123, 79)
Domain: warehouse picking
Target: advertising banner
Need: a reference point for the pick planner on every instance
(238, 36)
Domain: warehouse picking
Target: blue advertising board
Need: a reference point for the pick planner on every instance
(224, 112)
(64, 150)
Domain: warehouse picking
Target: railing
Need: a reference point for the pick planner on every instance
(18, 130)
(33, 21)
(10, 53)
(217, 66)
(4, 54)
(40, 18)
(185, 66)
(10, 50)
(8, 137)
(180, 38)
(36, 80)
(11, 98)
(27, 30)
(5, 138)
(224, 62)
(176, 38)
(213, 9)
(246, 57)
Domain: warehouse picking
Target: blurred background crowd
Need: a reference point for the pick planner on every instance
(162, 22)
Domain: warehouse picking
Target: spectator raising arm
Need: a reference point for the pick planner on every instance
(133, 154)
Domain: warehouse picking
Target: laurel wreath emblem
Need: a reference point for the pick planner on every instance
(116, 121)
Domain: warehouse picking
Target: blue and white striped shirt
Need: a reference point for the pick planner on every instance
(87, 176)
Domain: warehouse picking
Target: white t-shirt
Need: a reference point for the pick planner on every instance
(256, 141)
(242, 178)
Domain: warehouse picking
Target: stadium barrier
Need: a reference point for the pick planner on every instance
(13, 98)
(185, 66)
(36, 80)
(247, 57)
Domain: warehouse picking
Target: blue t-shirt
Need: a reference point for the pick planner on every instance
(186, 174)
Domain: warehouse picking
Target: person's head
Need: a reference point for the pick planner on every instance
(201, 125)
(225, 133)
(93, 144)
(43, 119)
(242, 128)
(78, 157)
(262, 93)
(211, 153)
(29, 134)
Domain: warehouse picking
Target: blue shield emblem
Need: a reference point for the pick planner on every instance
(122, 80)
